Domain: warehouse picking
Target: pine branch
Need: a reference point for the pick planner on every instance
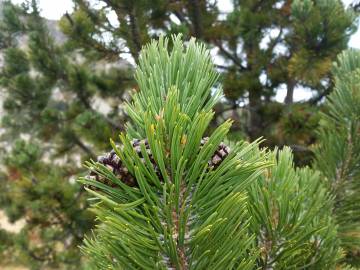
(337, 155)
(181, 17)
(169, 198)
(232, 57)
(135, 40)
(175, 195)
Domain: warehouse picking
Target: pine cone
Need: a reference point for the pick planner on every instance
(220, 154)
(113, 162)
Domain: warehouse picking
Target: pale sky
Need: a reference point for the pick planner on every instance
(54, 9)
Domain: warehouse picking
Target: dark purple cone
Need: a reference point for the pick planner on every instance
(113, 162)
(220, 154)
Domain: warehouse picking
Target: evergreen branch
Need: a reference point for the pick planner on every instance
(90, 42)
(275, 41)
(188, 208)
(181, 17)
(337, 156)
(182, 188)
(232, 57)
(135, 36)
(320, 96)
(223, 67)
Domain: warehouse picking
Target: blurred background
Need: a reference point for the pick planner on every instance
(66, 69)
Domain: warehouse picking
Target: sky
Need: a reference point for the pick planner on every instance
(54, 9)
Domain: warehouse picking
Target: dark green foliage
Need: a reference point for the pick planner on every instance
(54, 209)
(298, 52)
(50, 123)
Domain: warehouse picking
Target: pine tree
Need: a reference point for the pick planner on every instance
(283, 45)
(54, 211)
(338, 154)
(253, 210)
(50, 123)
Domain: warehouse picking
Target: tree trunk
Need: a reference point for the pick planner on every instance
(195, 13)
(289, 99)
(135, 34)
(255, 121)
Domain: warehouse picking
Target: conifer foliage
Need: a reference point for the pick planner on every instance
(338, 155)
(291, 217)
(49, 124)
(250, 211)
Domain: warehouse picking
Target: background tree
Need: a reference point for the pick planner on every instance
(54, 210)
(50, 123)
